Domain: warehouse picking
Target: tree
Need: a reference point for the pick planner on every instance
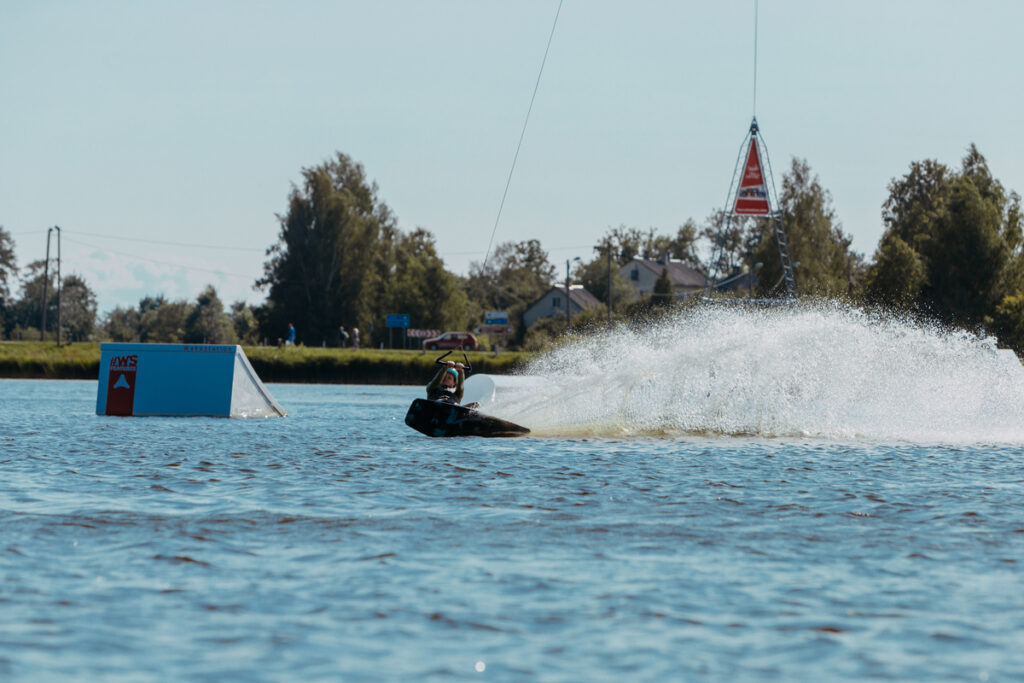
(321, 272)
(416, 283)
(732, 240)
(965, 231)
(966, 278)
(594, 277)
(629, 243)
(815, 238)
(8, 272)
(1008, 322)
(28, 309)
(165, 322)
(683, 247)
(896, 276)
(207, 323)
(244, 321)
(122, 325)
(662, 294)
(78, 302)
(515, 275)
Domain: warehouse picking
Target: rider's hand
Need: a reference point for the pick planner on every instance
(449, 364)
(460, 366)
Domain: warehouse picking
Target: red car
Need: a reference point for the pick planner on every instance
(451, 340)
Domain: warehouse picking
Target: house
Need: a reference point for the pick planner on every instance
(553, 303)
(643, 272)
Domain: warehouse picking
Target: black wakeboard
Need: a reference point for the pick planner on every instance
(435, 418)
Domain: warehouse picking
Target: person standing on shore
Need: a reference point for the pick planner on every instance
(355, 338)
(342, 336)
(291, 335)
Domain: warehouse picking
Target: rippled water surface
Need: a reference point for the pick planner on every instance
(337, 544)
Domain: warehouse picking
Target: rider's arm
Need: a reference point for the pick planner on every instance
(436, 382)
(459, 383)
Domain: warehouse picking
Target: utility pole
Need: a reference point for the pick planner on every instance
(568, 313)
(60, 287)
(609, 249)
(568, 285)
(46, 285)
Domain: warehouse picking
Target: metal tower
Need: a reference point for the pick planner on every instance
(754, 195)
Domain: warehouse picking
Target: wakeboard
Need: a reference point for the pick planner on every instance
(435, 418)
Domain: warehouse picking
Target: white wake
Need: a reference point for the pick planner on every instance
(822, 371)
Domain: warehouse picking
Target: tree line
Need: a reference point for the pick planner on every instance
(952, 250)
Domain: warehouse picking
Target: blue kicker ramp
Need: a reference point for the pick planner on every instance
(181, 380)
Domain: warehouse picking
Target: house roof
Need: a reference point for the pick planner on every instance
(577, 294)
(580, 296)
(681, 274)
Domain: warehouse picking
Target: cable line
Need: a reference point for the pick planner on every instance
(755, 59)
(522, 134)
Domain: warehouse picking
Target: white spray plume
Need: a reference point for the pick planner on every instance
(819, 370)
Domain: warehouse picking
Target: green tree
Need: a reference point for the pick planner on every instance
(514, 276)
(121, 325)
(594, 276)
(417, 284)
(321, 272)
(684, 246)
(731, 241)
(897, 274)
(244, 321)
(815, 237)
(1008, 322)
(207, 323)
(164, 322)
(662, 294)
(967, 271)
(965, 231)
(8, 273)
(28, 308)
(78, 304)
(629, 243)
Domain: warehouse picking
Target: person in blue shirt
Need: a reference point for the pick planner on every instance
(291, 335)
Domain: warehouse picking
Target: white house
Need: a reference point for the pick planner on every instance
(553, 303)
(643, 272)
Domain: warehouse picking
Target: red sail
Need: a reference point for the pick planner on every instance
(752, 198)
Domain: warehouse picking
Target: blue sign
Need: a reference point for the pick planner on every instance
(397, 320)
(496, 318)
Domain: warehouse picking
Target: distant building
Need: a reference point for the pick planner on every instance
(738, 279)
(553, 303)
(643, 272)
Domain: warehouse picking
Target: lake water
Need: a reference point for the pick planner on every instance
(337, 544)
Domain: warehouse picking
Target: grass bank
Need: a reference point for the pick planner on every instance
(370, 366)
(45, 360)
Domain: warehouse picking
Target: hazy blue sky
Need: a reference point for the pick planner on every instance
(131, 123)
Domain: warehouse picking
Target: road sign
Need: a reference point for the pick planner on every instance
(422, 334)
(397, 320)
(496, 318)
(493, 329)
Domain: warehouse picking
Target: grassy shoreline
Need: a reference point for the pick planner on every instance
(310, 365)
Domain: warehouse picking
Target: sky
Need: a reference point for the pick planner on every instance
(164, 138)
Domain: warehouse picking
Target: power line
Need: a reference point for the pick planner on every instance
(154, 260)
(166, 243)
(475, 253)
(190, 245)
